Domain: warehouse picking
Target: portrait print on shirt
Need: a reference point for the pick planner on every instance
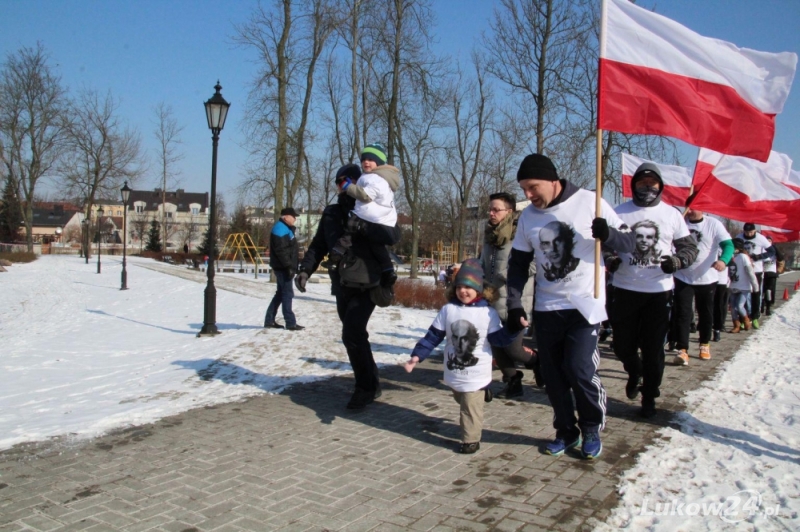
(698, 236)
(733, 272)
(749, 247)
(646, 252)
(464, 340)
(556, 242)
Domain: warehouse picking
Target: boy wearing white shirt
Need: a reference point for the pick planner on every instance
(374, 215)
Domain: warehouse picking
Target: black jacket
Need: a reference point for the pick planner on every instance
(282, 247)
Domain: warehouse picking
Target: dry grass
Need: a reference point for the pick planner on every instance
(18, 256)
(414, 293)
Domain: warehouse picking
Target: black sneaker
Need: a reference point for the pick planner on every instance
(469, 448)
(295, 328)
(604, 334)
(360, 399)
(717, 336)
(487, 395)
(632, 387)
(513, 388)
(273, 325)
(648, 408)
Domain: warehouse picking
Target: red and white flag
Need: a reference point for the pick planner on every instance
(793, 180)
(780, 235)
(677, 180)
(747, 190)
(660, 78)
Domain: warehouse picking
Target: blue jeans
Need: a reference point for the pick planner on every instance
(740, 301)
(283, 296)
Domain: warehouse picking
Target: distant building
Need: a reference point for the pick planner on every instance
(185, 215)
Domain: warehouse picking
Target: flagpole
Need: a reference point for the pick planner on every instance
(598, 195)
(597, 209)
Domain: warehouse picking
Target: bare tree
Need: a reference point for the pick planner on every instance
(139, 223)
(531, 49)
(188, 231)
(32, 104)
(418, 123)
(288, 47)
(468, 104)
(400, 40)
(103, 151)
(167, 133)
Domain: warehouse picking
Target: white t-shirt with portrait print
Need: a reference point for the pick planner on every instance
(563, 248)
(655, 228)
(709, 233)
(756, 246)
(467, 353)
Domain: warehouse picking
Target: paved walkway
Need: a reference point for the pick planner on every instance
(301, 461)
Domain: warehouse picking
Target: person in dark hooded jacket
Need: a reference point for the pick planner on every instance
(354, 305)
(643, 284)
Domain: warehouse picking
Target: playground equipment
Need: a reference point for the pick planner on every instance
(239, 246)
(445, 254)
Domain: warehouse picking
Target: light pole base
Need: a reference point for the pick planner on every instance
(124, 288)
(208, 331)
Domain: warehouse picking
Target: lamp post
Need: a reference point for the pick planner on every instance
(216, 112)
(99, 216)
(85, 243)
(126, 194)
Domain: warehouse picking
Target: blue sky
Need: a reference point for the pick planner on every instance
(149, 51)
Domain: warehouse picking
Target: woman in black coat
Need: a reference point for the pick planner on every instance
(354, 305)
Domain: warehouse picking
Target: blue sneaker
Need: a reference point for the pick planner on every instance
(559, 445)
(592, 447)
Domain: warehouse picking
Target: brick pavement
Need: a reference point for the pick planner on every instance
(301, 461)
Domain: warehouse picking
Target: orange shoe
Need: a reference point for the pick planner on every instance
(705, 352)
(682, 358)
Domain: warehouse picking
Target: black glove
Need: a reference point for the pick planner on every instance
(300, 281)
(600, 229)
(612, 264)
(513, 325)
(670, 264)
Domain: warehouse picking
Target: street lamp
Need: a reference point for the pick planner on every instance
(99, 216)
(126, 194)
(216, 112)
(85, 235)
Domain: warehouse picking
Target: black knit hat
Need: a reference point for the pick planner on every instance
(738, 243)
(749, 226)
(348, 171)
(288, 211)
(537, 166)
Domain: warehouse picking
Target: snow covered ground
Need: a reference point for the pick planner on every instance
(80, 357)
(734, 462)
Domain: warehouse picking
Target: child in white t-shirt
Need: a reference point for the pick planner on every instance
(374, 215)
(743, 283)
(471, 326)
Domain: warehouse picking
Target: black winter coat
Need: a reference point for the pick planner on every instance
(283, 251)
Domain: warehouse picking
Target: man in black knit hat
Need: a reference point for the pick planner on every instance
(558, 231)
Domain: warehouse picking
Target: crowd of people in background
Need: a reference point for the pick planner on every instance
(529, 299)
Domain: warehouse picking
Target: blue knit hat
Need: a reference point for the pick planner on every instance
(374, 152)
(470, 275)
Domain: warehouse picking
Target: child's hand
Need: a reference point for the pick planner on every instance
(411, 364)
